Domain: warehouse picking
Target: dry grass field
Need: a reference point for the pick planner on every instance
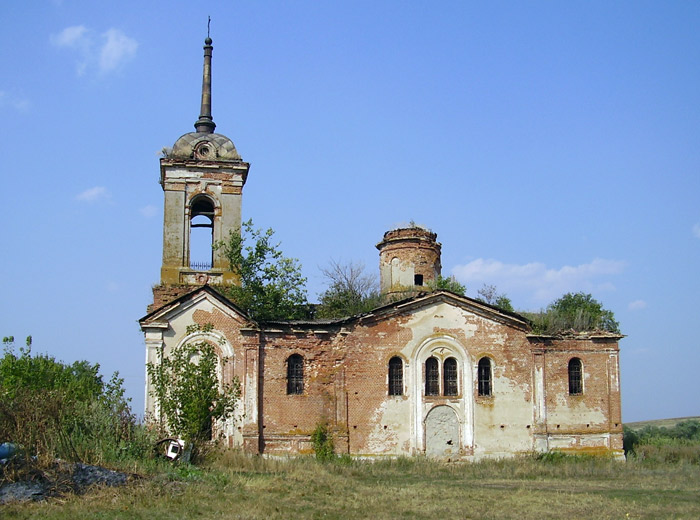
(659, 423)
(238, 486)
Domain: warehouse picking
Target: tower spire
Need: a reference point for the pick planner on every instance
(205, 123)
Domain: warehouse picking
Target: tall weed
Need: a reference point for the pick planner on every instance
(55, 410)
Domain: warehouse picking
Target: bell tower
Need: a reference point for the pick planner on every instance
(202, 177)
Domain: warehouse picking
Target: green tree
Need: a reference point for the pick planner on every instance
(188, 391)
(574, 311)
(271, 286)
(448, 283)
(489, 294)
(351, 291)
(41, 373)
(580, 311)
(504, 303)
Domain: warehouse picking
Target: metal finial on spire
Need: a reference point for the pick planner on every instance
(205, 123)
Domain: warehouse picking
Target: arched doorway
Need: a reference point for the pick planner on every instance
(441, 432)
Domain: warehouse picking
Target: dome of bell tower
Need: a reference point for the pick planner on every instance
(204, 146)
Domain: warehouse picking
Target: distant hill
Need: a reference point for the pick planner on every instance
(659, 423)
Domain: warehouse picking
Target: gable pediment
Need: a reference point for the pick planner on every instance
(469, 305)
(204, 298)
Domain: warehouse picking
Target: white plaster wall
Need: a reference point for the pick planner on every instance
(173, 228)
(444, 330)
(390, 434)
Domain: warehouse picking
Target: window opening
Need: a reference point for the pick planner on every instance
(201, 234)
(432, 377)
(395, 376)
(484, 376)
(449, 374)
(418, 279)
(575, 377)
(295, 375)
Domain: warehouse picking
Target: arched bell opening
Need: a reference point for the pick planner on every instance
(201, 250)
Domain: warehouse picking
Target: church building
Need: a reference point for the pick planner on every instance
(433, 374)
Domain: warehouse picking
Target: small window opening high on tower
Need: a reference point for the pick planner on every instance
(201, 234)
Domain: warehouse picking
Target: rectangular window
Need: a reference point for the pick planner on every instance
(432, 377)
(295, 375)
(484, 377)
(395, 376)
(450, 376)
(575, 377)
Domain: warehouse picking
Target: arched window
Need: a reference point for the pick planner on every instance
(201, 233)
(575, 376)
(395, 376)
(432, 377)
(295, 375)
(484, 376)
(449, 376)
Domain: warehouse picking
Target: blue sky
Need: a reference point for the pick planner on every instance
(553, 146)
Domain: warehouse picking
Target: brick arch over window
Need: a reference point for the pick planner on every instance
(396, 376)
(485, 377)
(295, 375)
(575, 376)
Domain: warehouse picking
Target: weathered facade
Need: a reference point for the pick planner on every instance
(435, 373)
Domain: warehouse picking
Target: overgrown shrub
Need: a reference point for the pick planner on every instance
(189, 394)
(55, 410)
(668, 453)
(322, 442)
(573, 311)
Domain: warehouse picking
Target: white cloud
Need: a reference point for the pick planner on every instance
(696, 230)
(637, 305)
(74, 37)
(78, 39)
(536, 282)
(18, 103)
(112, 51)
(93, 194)
(149, 211)
(117, 50)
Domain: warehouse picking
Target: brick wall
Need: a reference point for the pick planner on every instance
(346, 382)
(163, 294)
(416, 251)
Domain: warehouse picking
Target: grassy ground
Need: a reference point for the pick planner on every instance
(249, 487)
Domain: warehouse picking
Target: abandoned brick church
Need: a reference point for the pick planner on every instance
(435, 374)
